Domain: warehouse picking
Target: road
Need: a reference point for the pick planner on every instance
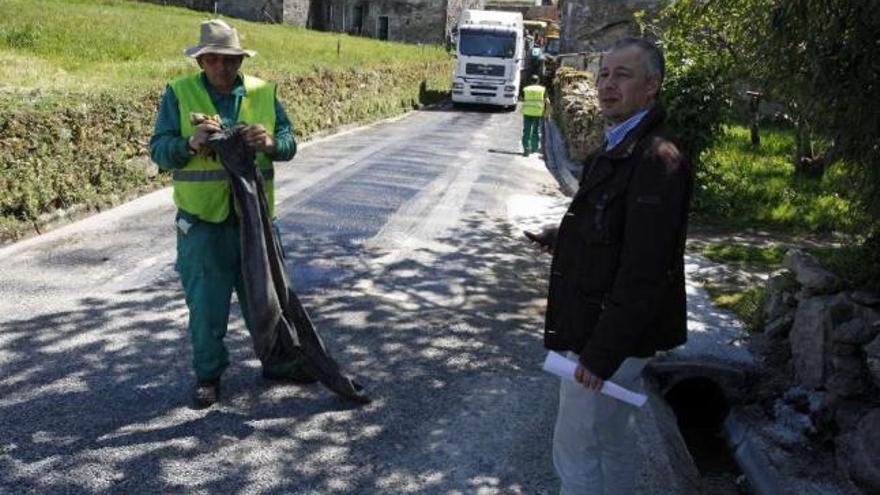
(403, 241)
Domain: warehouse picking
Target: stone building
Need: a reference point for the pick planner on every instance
(294, 12)
(592, 25)
(411, 21)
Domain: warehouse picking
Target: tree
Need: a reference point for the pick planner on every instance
(818, 58)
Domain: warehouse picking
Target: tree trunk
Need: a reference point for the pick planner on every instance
(806, 163)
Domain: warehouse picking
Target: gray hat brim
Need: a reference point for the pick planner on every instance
(197, 51)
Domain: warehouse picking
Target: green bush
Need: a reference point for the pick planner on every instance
(58, 151)
(19, 37)
(696, 96)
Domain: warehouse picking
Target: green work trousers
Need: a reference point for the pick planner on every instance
(209, 264)
(531, 133)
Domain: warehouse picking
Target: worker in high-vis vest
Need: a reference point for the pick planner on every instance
(208, 246)
(533, 113)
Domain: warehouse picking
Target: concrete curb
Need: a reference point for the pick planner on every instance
(557, 160)
(761, 475)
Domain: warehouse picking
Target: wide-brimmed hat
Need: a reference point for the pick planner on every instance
(218, 37)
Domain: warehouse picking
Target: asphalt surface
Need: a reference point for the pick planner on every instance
(403, 240)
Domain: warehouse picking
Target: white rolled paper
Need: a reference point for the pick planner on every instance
(564, 368)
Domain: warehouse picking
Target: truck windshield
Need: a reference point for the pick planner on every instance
(487, 43)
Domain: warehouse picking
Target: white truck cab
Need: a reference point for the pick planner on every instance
(490, 52)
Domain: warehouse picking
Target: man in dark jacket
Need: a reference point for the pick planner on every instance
(617, 291)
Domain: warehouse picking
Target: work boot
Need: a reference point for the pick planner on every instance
(292, 373)
(206, 393)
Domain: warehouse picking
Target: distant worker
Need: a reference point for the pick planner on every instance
(533, 114)
(208, 245)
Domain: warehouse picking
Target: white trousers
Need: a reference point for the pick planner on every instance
(594, 441)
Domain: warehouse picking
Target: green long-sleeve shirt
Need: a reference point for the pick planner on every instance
(170, 150)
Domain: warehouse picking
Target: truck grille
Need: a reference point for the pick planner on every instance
(484, 70)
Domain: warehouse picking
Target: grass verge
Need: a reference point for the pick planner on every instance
(743, 186)
(741, 295)
(87, 45)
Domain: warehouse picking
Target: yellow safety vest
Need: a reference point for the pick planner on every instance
(201, 187)
(533, 100)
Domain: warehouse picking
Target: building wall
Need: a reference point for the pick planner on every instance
(593, 25)
(412, 21)
(454, 9)
(253, 10)
(294, 12)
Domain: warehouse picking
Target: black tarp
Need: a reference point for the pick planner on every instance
(281, 330)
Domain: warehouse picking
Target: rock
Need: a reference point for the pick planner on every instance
(807, 339)
(791, 426)
(778, 298)
(804, 401)
(780, 327)
(865, 298)
(855, 332)
(810, 273)
(861, 451)
(849, 377)
(826, 328)
(842, 349)
(853, 323)
(872, 356)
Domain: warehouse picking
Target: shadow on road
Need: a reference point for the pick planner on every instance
(95, 398)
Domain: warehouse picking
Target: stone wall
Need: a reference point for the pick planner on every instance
(294, 12)
(252, 10)
(454, 8)
(829, 340)
(410, 21)
(593, 25)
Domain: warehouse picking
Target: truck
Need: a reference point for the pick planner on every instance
(490, 52)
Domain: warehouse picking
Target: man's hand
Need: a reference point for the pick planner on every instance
(258, 138)
(202, 131)
(545, 240)
(587, 379)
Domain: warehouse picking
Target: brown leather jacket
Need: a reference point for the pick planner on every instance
(617, 278)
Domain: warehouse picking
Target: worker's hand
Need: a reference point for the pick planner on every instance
(258, 138)
(202, 131)
(587, 379)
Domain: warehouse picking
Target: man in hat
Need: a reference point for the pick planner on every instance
(208, 246)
